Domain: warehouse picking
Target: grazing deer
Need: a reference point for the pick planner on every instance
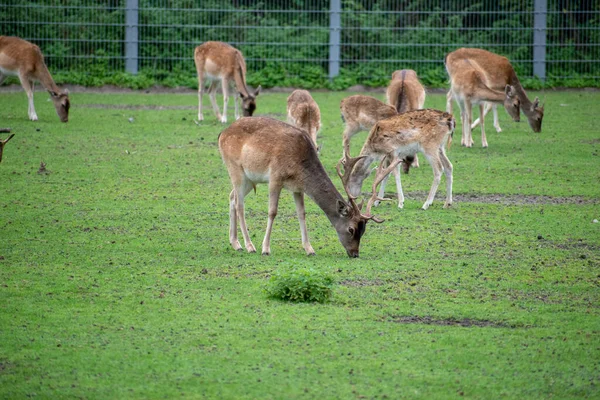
(25, 60)
(264, 150)
(2, 143)
(220, 61)
(499, 73)
(426, 131)
(303, 112)
(360, 113)
(469, 85)
(405, 92)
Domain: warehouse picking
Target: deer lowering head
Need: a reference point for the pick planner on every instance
(25, 60)
(220, 62)
(264, 150)
(303, 112)
(426, 131)
(498, 73)
(2, 143)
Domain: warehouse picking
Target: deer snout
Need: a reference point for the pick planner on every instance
(352, 253)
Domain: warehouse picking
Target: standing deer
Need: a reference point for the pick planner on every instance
(498, 73)
(426, 131)
(360, 113)
(405, 92)
(469, 85)
(25, 60)
(2, 143)
(220, 61)
(264, 150)
(303, 112)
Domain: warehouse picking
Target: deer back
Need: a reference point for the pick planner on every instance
(405, 92)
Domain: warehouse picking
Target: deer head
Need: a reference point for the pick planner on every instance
(2, 143)
(61, 103)
(352, 227)
(535, 114)
(512, 104)
(249, 102)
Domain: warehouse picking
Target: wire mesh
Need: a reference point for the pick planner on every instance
(290, 39)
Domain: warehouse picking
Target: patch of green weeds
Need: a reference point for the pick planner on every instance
(302, 285)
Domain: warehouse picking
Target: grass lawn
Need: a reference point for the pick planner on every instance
(117, 279)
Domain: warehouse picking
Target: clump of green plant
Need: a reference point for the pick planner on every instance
(301, 285)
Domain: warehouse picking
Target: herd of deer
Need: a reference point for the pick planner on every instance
(285, 155)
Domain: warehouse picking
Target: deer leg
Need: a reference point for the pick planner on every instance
(467, 124)
(399, 191)
(488, 106)
(484, 142)
(496, 122)
(415, 163)
(225, 86)
(235, 243)
(237, 99)
(241, 192)
(28, 87)
(449, 102)
(437, 167)
(300, 210)
(448, 172)
(200, 94)
(274, 192)
(212, 94)
(349, 131)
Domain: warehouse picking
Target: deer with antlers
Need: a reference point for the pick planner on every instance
(264, 150)
(427, 131)
(303, 112)
(25, 60)
(498, 75)
(218, 61)
(2, 143)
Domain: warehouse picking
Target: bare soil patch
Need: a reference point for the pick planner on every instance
(465, 322)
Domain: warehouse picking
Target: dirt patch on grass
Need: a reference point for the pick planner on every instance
(465, 322)
(136, 107)
(362, 283)
(504, 199)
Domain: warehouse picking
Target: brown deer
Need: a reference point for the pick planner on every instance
(498, 74)
(469, 85)
(264, 150)
(2, 143)
(360, 113)
(303, 112)
(405, 92)
(220, 61)
(25, 60)
(427, 131)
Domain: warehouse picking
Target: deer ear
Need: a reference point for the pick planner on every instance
(343, 209)
(535, 104)
(66, 91)
(257, 92)
(509, 90)
(52, 93)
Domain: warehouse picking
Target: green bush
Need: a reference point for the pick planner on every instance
(301, 285)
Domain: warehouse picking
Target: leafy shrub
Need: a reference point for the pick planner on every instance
(301, 285)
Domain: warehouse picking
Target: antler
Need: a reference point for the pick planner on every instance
(348, 163)
(379, 176)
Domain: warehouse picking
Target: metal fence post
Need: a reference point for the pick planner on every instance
(540, 12)
(334, 38)
(131, 36)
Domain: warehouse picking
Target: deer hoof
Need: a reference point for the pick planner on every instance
(400, 205)
(447, 205)
(266, 253)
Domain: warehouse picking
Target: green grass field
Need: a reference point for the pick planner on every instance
(117, 279)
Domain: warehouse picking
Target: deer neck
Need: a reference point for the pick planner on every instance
(361, 170)
(322, 191)
(240, 80)
(46, 79)
(521, 95)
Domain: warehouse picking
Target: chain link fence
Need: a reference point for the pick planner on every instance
(294, 42)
